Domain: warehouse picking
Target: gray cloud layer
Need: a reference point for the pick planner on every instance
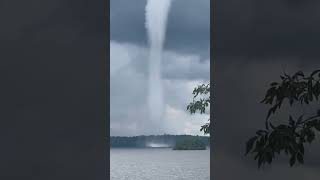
(185, 64)
(188, 28)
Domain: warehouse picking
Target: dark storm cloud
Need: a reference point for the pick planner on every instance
(52, 89)
(127, 21)
(188, 28)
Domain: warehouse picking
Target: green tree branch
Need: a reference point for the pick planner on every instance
(200, 102)
(287, 137)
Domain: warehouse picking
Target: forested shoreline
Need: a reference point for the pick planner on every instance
(150, 140)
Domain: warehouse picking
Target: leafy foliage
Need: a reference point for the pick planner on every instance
(291, 137)
(201, 100)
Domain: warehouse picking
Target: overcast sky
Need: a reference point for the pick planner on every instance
(256, 41)
(185, 64)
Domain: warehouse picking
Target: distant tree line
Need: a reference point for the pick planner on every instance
(194, 143)
(143, 141)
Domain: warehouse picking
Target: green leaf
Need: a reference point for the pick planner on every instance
(260, 161)
(291, 121)
(300, 158)
(300, 73)
(292, 160)
(301, 148)
(317, 126)
(300, 119)
(272, 126)
(250, 143)
(315, 72)
(310, 135)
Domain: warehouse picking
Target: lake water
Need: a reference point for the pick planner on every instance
(159, 164)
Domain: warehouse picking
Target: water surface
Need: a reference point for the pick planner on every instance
(159, 164)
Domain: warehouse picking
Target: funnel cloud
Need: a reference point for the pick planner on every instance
(156, 21)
